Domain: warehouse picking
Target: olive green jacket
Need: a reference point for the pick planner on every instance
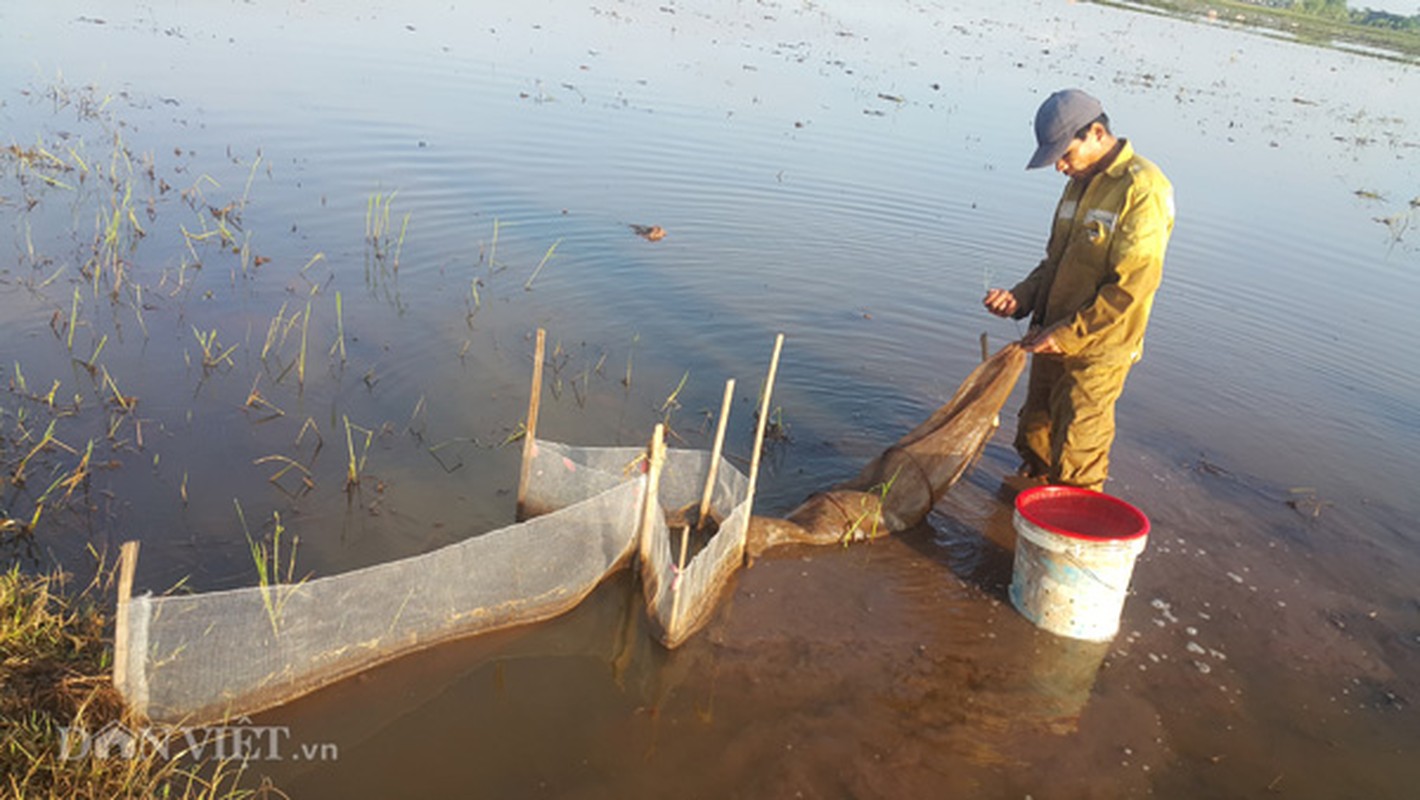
(1104, 261)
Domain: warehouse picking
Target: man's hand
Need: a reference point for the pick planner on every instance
(1000, 302)
(1041, 340)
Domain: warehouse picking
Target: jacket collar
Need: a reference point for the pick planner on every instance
(1121, 160)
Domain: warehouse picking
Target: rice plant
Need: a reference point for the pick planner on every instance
(339, 345)
(354, 465)
(73, 319)
(630, 353)
(378, 230)
(305, 328)
(276, 588)
(255, 399)
(527, 286)
(493, 247)
(213, 353)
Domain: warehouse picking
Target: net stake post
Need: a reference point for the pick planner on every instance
(714, 470)
(985, 348)
(759, 428)
(530, 429)
(652, 504)
(674, 627)
(127, 564)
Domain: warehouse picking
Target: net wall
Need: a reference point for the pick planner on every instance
(210, 656)
(682, 482)
(706, 574)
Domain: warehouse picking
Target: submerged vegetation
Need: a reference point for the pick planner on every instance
(59, 428)
(135, 278)
(127, 259)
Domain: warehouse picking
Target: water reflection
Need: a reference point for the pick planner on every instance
(1043, 681)
(1057, 680)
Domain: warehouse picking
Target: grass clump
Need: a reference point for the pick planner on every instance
(54, 677)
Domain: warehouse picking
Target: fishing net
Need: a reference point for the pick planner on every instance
(678, 489)
(895, 491)
(203, 657)
(217, 655)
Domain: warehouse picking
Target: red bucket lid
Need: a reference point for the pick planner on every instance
(1081, 513)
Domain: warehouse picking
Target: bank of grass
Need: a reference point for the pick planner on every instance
(1400, 44)
(54, 674)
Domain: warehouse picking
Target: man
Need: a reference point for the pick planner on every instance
(1089, 299)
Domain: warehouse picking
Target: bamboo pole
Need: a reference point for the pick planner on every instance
(763, 420)
(674, 627)
(652, 504)
(127, 564)
(714, 470)
(530, 429)
(710, 475)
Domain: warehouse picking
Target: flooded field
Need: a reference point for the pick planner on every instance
(278, 266)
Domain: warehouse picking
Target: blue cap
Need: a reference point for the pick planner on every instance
(1060, 117)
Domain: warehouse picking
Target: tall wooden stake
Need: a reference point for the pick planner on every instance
(676, 582)
(763, 420)
(714, 470)
(127, 563)
(652, 504)
(530, 429)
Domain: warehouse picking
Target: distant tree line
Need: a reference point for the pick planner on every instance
(1385, 19)
(1338, 10)
(1331, 9)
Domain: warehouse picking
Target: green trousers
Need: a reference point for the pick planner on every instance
(1066, 426)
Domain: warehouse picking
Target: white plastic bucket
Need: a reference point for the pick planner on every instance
(1075, 552)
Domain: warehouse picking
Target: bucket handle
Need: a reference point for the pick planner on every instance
(1080, 566)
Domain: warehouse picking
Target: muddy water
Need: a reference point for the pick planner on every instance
(848, 173)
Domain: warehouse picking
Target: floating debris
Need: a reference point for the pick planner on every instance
(651, 233)
(1306, 502)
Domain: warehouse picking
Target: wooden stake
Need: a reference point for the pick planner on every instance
(652, 504)
(127, 563)
(763, 420)
(710, 475)
(985, 348)
(714, 462)
(530, 429)
(675, 582)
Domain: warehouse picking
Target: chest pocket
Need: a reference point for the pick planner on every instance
(1097, 227)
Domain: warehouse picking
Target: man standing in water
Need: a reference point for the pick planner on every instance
(1089, 299)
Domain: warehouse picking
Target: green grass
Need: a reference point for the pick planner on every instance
(54, 675)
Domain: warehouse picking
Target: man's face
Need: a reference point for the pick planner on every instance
(1083, 154)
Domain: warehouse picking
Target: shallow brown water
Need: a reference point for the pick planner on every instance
(899, 669)
(848, 173)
